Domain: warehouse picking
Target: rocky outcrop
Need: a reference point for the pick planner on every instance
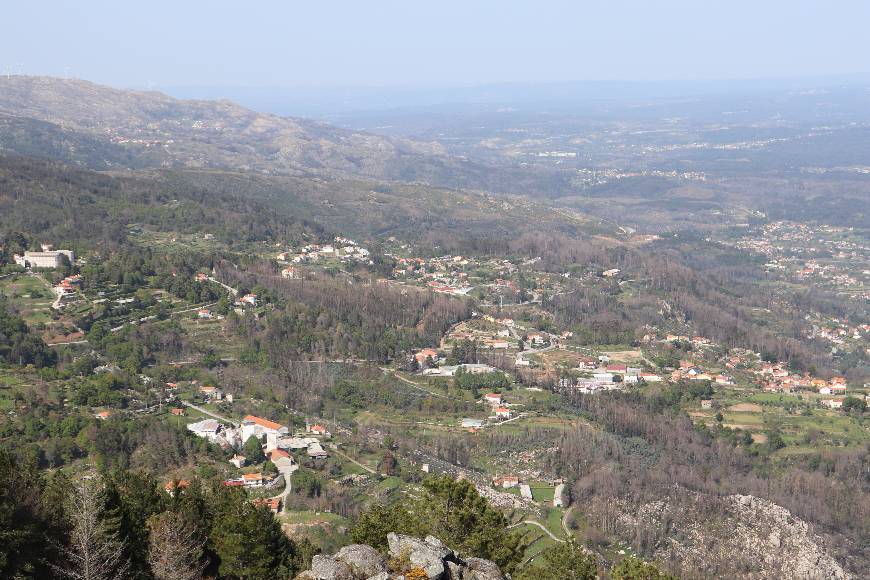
(741, 536)
(410, 559)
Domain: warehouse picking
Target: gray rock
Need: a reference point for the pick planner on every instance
(420, 553)
(363, 560)
(328, 568)
(455, 571)
(380, 576)
(480, 569)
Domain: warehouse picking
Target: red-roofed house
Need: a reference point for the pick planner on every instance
(319, 429)
(426, 353)
(492, 399)
(277, 453)
(252, 479)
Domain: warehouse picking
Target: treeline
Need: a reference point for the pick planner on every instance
(124, 525)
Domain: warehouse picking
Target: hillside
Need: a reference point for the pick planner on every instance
(90, 208)
(106, 128)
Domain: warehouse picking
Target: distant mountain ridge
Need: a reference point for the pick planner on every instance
(103, 128)
(107, 128)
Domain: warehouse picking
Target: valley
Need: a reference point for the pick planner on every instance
(276, 315)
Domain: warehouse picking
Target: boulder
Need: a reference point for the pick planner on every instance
(480, 569)
(429, 556)
(455, 571)
(328, 568)
(364, 561)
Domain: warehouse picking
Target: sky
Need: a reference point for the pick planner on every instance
(260, 43)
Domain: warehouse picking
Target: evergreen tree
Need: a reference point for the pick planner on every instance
(254, 450)
(567, 561)
(176, 548)
(249, 541)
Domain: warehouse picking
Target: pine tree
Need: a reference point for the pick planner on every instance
(94, 550)
(175, 548)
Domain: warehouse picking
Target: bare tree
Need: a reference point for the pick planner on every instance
(175, 548)
(94, 551)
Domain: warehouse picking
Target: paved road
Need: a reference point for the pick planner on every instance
(288, 487)
(209, 413)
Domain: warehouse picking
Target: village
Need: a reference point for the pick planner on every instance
(834, 258)
(501, 371)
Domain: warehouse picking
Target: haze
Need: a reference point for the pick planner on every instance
(170, 44)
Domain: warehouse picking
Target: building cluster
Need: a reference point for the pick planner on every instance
(276, 438)
(343, 249)
(823, 254)
(838, 332)
(777, 378)
(444, 274)
(689, 370)
(66, 290)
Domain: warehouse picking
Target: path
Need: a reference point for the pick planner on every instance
(564, 521)
(352, 460)
(169, 313)
(209, 413)
(388, 372)
(540, 525)
(85, 341)
(229, 289)
(519, 416)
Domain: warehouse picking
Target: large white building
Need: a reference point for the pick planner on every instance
(253, 426)
(47, 259)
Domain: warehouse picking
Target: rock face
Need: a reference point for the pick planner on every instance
(409, 558)
(748, 538)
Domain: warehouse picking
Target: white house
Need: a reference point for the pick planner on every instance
(503, 413)
(493, 399)
(207, 428)
(253, 426)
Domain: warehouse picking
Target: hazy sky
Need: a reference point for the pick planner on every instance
(412, 42)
